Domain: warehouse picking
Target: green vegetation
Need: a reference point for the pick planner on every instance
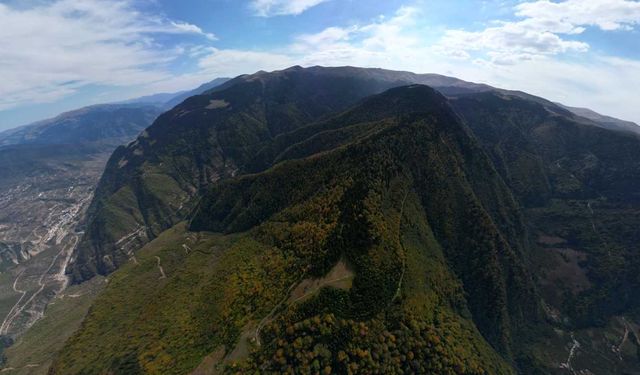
(392, 204)
(437, 218)
(167, 325)
(33, 352)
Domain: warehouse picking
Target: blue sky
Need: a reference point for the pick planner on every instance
(57, 55)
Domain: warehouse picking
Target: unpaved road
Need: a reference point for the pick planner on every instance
(162, 274)
(7, 319)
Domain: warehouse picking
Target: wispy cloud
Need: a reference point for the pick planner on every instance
(269, 8)
(229, 62)
(49, 51)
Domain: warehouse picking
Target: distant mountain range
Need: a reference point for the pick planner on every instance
(606, 122)
(105, 123)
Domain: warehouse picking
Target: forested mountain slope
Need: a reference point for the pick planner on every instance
(150, 185)
(396, 182)
(293, 212)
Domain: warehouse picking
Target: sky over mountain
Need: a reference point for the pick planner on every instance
(57, 55)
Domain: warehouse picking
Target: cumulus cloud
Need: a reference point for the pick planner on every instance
(50, 50)
(545, 28)
(378, 43)
(605, 14)
(268, 8)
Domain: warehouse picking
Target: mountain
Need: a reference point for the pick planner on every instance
(606, 122)
(376, 196)
(577, 185)
(48, 174)
(182, 96)
(352, 215)
(185, 150)
(346, 219)
(170, 100)
(105, 123)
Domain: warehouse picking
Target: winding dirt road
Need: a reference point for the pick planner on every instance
(162, 274)
(8, 318)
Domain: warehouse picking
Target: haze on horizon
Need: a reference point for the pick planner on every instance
(58, 55)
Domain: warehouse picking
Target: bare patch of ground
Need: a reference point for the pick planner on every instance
(211, 363)
(217, 104)
(544, 239)
(241, 351)
(340, 276)
(561, 271)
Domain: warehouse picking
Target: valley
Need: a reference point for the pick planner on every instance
(40, 228)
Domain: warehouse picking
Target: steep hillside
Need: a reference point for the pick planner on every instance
(154, 182)
(383, 202)
(150, 185)
(607, 122)
(579, 186)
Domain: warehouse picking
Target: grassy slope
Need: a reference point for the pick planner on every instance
(34, 351)
(172, 323)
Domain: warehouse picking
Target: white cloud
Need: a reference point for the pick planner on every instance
(190, 28)
(605, 14)
(543, 29)
(268, 8)
(229, 62)
(50, 50)
(378, 43)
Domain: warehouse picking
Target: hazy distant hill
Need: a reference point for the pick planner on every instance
(606, 121)
(104, 123)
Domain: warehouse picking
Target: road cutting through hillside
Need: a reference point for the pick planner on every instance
(572, 352)
(273, 311)
(4, 327)
(19, 309)
(404, 258)
(625, 336)
(162, 274)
